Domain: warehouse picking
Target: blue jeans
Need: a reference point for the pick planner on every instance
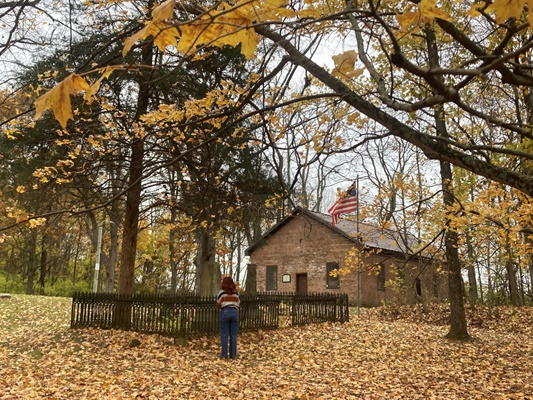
(229, 327)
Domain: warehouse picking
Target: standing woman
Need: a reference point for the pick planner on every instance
(228, 302)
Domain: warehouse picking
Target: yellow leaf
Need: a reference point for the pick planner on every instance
(505, 9)
(407, 19)
(21, 218)
(58, 99)
(224, 27)
(429, 11)
(232, 25)
(355, 73)
(164, 11)
(165, 35)
(309, 13)
(163, 32)
(37, 222)
(345, 64)
(129, 42)
(96, 86)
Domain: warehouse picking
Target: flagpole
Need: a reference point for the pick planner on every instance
(358, 246)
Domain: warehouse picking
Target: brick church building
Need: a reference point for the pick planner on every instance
(299, 252)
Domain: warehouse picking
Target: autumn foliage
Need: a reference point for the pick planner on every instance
(234, 24)
(371, 357)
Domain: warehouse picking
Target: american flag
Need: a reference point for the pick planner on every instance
(347, 203)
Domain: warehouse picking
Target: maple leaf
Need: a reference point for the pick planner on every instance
(232, 25)
(58, 99)
(163, 32)
(429, 11)
(505, 9)
(345, 65)
(91, 92)
(219, 33)
(227, 25)
(407, 19)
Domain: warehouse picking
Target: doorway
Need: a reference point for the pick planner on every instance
(301, 283)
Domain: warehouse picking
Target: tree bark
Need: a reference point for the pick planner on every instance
(32, 262)
(172, 256)
(472, 282)
(208, 275)
(514, 297)
(131, 219)
(531, 277)
(42, 265)
(172, 233)
(251, 279)
(112, 259)
(458, 328)
(133, 196)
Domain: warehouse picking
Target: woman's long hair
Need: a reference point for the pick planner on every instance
(228, 285)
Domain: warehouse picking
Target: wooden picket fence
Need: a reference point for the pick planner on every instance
(182, 316)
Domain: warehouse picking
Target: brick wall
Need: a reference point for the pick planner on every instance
(304, 246)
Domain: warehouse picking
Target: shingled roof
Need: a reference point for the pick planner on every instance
(372, 237)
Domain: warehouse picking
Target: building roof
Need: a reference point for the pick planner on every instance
(371, 236)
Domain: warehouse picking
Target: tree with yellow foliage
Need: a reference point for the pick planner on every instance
(382, 71)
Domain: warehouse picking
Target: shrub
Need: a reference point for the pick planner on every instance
(11, 284)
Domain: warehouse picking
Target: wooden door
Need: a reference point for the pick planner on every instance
(301, 283)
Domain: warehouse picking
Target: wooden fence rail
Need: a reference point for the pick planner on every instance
(182, 316)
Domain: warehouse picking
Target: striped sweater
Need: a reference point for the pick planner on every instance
(225, 299)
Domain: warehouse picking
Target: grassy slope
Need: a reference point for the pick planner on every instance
(383, 355)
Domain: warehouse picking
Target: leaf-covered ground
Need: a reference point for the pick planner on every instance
(385, 354)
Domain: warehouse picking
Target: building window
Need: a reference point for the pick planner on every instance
(381, 277)
(332, 282)
(272, 277)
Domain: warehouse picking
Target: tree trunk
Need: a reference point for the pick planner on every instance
(76, 258)
(112, 259)
(251, 279)
(458, 328)
(490, 294)
(131, 219)
(472, 282)
(528, 169)
(172, 259)
(171, 240)
(514, 298)
(43, 261)
(531, 277)
(208, 275)
(32, 262)
(133, 198)
(480, 285)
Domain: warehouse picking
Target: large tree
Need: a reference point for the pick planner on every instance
(445, 109)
